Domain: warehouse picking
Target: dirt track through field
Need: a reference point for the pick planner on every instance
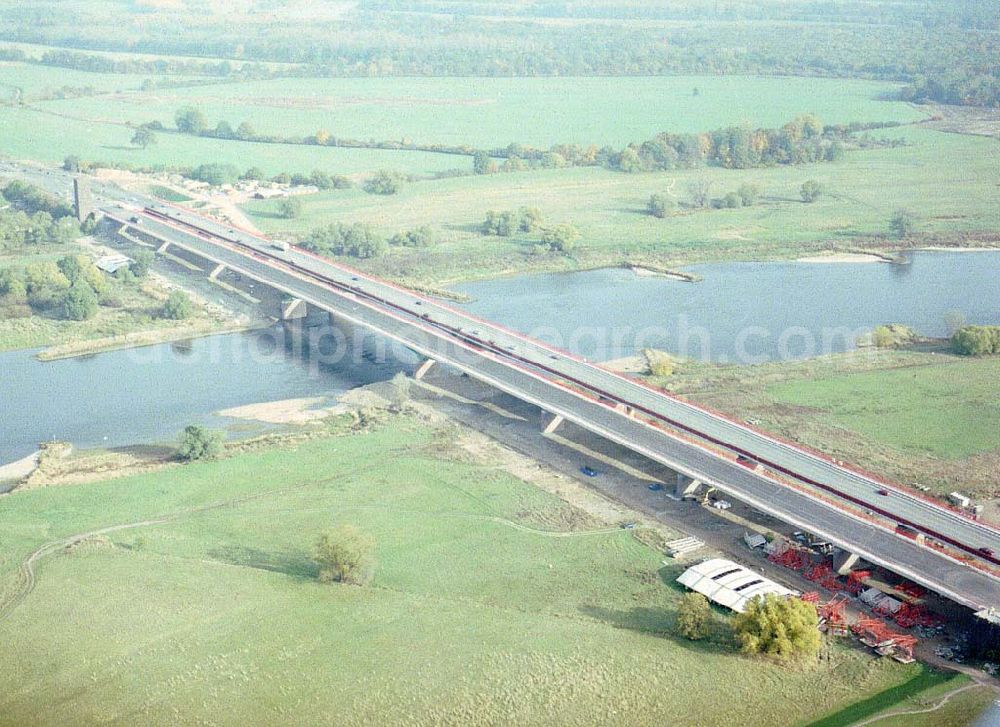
(25, 579)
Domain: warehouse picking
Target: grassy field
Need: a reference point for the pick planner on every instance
(36, 134)
(37, 82)
(915, 417)
(928, 409)
(481, 610)
(946, 178)
(492, 112)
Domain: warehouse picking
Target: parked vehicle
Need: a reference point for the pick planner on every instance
(589, 471)
(655, 486)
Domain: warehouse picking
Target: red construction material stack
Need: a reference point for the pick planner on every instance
(834, 613)
(856, 581)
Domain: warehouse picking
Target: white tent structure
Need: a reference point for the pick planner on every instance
(729, 584)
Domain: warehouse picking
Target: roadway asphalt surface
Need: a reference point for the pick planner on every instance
(935, 570)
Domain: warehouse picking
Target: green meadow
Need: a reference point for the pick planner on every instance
(199, 602)
(948, 410)
(943, 178)
(493, 112)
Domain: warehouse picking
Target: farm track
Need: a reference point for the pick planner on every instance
(25, 578)
(934, 708)
(24, 581)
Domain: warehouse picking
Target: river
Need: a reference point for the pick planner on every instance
(148, 395)
(744, 312)
(771, 310)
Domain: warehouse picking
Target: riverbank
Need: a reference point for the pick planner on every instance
(140, 339)
(910, 416)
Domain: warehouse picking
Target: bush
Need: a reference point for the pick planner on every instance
(199, 443)
(893, 335)
(79, 302)
(531, 219)
(357, 240)
(423, 236)
(561, 238)
(976, 340)
(384, 182)
(659, 205)
(290, 208)
(215, 174)
(903, 223)
(190, 120)
(505, 224)
(810, 191)
(141, 261)
(178, 306)
(749, 193)
(778, 627)
(345, 555)
(693, 616)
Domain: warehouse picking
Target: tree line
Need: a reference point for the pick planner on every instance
(804, 139)
(363, 241)
(899, 42)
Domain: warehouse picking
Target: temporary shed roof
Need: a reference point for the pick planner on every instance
(112, 263)
(729, 584)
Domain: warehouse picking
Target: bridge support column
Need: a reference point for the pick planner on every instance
(216, 271)
(83, 198)
(624, 409)
(550, 422)
(845, 563)
(292, 309)
(163, 248)
(686, 487)
(422, 370)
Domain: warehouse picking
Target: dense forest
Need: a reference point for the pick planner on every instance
(946, 50)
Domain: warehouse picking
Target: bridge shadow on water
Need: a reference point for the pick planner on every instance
(295, 564)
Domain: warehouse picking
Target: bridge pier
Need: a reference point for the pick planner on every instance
(163, 248)
(550, 422)
(845, 562)
(83, 198)
(216, 271)
(422, 370)
(686, 487)
(624, 409)
(292, 309)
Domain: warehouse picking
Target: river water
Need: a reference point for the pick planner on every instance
(744, 312)
(771, 310)
(148, 395)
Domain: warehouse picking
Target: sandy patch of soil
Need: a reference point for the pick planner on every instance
(841, 257)
(287, 411)
(627, 365)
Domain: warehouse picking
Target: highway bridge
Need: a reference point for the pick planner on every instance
(795, 485)
(852, 510)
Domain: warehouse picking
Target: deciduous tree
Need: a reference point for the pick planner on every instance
(345, 555)
(693, 616)
(778, 627)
